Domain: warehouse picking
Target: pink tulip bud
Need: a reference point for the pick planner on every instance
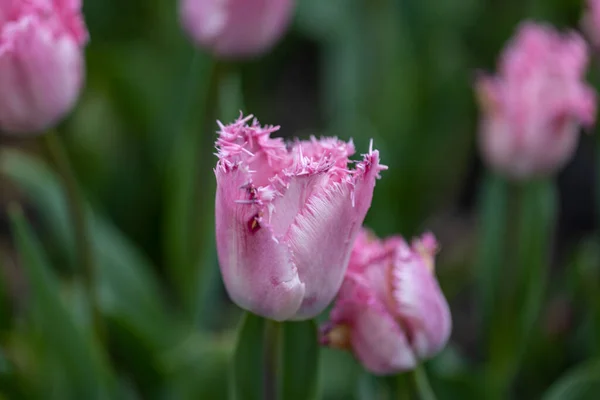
(533, 108)
(236, 28)
(390, 311)
(286, 218)
(41, 62)
(590, 23)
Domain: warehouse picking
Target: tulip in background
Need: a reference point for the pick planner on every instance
(590, 23)
(534, 107)
(390, 311)
(287, 217)
(41, 62)
(236, 28)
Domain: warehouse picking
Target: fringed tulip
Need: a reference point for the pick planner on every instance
(236, 28)
(41, 62)
(286, 218)
(390, 311)
(533, 109)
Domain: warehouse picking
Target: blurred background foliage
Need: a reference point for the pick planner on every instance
(397, 71)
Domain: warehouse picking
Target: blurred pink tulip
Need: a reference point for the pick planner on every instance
(532, 110)
(286, 218)
(41, 62)
(590, 23)
(236, 28)
(390, 311)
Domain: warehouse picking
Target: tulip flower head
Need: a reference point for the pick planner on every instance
(286, 217)
(236, 28)
(533, 108)
(41, 62)
(390, 311)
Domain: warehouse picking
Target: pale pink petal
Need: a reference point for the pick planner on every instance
(376, 338)
(257, 270)
(323, 233)
(236, 28)
(420, 305)
(379, 342)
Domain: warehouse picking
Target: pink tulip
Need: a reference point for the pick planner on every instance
(532, 110)
(390, 311)
(236, 28)
(286, 218)
(41, 62)
(591, 23)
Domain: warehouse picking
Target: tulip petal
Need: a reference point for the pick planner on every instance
(258, 271)
(323, 233)
(376, 338)
(379, 342)
(420, 305)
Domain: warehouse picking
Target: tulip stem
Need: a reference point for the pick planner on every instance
(57, 151)
(422, 384)
(271, 346)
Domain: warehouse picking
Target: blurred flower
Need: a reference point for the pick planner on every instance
(286, 218)
(590, 22)
(533, 109)
(41, 62)
(236, 28)
(390, 311)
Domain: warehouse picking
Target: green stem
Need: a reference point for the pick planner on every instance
(403, 387)
(271, 346)
(84, 252)
(422, 385)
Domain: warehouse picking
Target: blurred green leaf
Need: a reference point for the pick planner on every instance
(584, 271)
(4, 304)
(129, 294)
(197, 368)
(84, 365)
(127, 285)
(372, 387)
(248, 359)
(300, 360)
(191, 151)
(581, 383)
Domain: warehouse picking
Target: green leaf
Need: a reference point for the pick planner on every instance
(248, 359)
(5, 312)
(128, 288)
(371, 387)
(80, 360)
(581, 383)
(197, 367)
(129, 294)
(191, 151)
(300, 360)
